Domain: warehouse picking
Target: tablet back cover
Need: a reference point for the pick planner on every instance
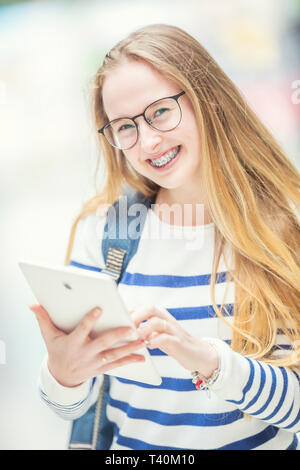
(68, 293)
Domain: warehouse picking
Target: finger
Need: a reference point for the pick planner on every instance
(113, 336)
(112, 355)
(154, 325)
(104, 367)
(167, 343)
(141, 314)
(85, 326)
(47, 327)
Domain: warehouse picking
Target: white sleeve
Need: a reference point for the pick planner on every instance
(269, 393)
(73, 402)
(68, 402)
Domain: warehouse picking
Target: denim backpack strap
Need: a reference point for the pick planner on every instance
(83, 436)
(120, 241)
(122, 232)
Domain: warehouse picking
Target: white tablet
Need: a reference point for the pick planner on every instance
(68, 293)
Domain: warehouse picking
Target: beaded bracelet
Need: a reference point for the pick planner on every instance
(202, 383)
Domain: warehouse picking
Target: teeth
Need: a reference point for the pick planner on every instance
(165, 159)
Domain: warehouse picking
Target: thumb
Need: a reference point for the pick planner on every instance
(47, 327)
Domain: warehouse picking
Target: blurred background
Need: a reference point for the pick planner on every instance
(49, 53)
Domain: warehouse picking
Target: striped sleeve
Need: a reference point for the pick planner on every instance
(68, 402)
(268, 393)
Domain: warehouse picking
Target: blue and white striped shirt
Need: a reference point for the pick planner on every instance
(173, 269)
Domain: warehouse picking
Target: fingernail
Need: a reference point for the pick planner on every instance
(97, 312)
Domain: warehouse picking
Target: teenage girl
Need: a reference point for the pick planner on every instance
(172, 125)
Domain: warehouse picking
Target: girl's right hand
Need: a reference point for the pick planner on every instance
(75, 357)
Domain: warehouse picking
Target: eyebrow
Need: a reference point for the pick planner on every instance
(152, 102)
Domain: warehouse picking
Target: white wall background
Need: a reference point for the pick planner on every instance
(49, 51)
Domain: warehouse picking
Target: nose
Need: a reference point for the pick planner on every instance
(150, 139)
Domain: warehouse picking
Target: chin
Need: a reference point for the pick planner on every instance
(169, 186)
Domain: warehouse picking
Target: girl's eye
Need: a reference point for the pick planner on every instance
(125, 127)
(160, 111)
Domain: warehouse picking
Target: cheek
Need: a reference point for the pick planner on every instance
(189, 125)
(132, 158)
(190, 135)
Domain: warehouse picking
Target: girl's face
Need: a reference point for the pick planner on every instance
(127, 91)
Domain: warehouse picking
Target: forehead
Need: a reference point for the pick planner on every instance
(132, 86)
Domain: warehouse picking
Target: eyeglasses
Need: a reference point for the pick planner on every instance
(163, 115)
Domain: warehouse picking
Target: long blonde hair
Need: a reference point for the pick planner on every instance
(252, 190)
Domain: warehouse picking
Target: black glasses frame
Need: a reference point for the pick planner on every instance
(174, 97)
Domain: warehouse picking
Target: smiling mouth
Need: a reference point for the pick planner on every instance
(165, 159)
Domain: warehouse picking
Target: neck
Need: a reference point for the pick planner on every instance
(182, 207)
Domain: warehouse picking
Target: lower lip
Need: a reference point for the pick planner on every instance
(168, 165)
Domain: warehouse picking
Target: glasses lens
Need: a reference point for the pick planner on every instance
(121, 133)
(164, 115)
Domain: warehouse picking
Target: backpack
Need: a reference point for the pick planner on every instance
(93, 430)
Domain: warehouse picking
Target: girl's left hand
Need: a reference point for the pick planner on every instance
(161, 330)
